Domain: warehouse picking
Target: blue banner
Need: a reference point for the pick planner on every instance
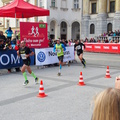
(9, 59)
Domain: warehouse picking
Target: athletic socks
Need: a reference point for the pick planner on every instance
(60, 68)
(25, 75)
(32, 74)
(83, 63)
(83, 59)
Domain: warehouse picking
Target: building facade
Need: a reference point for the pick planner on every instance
(64, 20)
(100, 16)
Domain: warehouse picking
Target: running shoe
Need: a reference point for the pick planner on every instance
(59, 74)
(25, 83)
(84, 66)
(36, 80)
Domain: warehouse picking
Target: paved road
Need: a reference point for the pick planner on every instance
(66, 100)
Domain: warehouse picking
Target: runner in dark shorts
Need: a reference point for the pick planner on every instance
(60, 48)
(60, 58)
(79, 48)
(25, 54)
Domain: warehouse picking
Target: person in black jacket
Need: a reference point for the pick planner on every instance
(79, 48)
(3, 37)
(2, 46)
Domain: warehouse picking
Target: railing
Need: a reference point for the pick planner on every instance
(108, 38)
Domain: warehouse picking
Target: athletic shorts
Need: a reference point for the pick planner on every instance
(78, 53)
(61, 58)
(27, 62)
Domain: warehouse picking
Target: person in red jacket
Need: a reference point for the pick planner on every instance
(17, 47)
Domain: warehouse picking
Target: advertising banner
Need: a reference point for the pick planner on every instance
(47, 56)
(103, 47)
(9, 59)
(34, 34)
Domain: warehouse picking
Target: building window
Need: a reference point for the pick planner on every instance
(36, 2)
(41, 3)
(8, 23)
(112, 6)
(109, 27)
(63, 25)
(53, 3)
(76, 4)
(64, 4)
(92, 29)
(93, 8)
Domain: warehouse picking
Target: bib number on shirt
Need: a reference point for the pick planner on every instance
(23, 56)
(59, 51)
(78, 47)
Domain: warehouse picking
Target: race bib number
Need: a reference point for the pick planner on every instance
(78, 47)
(23, 56)
(59, 51)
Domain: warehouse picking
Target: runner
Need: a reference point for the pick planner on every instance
(79, 47)
(60, 48)
(25, 53)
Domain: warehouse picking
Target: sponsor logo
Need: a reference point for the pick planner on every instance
(106, 47)
(98, 47)
(50, 53)
(41, 56)
(88, 46)
(6, 59)
(114, 47)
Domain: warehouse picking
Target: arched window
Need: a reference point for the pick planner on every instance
(92, 29)
(109, 27)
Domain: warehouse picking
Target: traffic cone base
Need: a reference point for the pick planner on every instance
(108, 76)
(81, 84)
(41, 96)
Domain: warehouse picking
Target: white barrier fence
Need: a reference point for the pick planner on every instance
(47, 56)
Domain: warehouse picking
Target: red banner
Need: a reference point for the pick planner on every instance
(34, 34)
(103, 47)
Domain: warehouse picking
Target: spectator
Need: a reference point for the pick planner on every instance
(91, 40)
(86, 40)
(106, 41)
(17, 47)
(94, 40)
(117, 41)
(2, 46)
(107, 105)
(9, 33)
(104, 34)
(9, 47)
(102, 41)
(2, 37)
(114, 34)
(111, 41)
(118, 33)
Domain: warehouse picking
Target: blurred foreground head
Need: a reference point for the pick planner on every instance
(107, 105)
(23, 44)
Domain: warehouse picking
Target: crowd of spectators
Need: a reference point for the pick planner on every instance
(7, 43)
(110, 37)
(111, 33)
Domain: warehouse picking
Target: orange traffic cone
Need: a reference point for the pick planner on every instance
(81, 82)
(41, 91)
(107, 73)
